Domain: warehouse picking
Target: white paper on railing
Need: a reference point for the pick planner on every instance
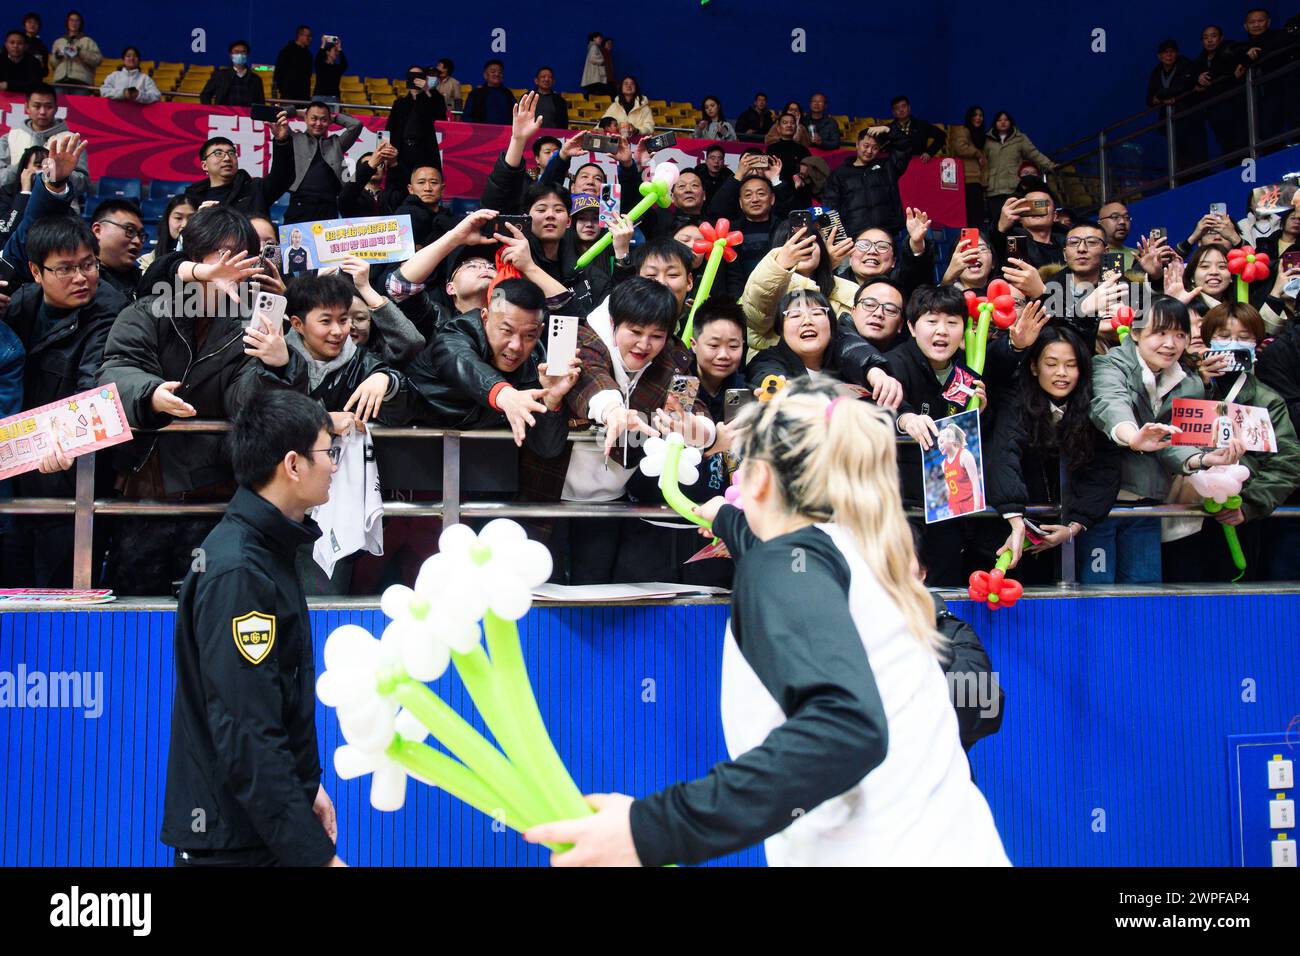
(352, 520)
(613, 593)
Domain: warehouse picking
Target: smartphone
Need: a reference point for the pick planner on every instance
(330, 41)
(801, 219)
(828, 220)
(733, 400)
(1290, 260)
(266, 113)
(269, 256)
(268, 311)
(561, 342)
(1112, 263)
(762, 162)
(601, 142)
(1041, 206)
(685, 387)
(1218, 209)
(383, 137)
(1017, 247)
(1159, 232)
(1243, 360)
(972, 239)
(498, 225)
(662, 141)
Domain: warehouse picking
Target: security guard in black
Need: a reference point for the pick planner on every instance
(244, 766)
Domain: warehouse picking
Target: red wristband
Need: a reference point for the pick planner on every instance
(492, 395)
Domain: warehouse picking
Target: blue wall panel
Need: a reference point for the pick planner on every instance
(1111, 752)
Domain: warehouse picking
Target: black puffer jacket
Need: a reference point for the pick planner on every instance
(63, 358)
(149, 346)
(1279, 368)
(332, 383)
(867, 196)
(1018, 474)
(457, 385)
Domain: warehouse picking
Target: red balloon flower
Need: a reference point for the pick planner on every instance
(999, 302)
(712, 233)
(1244, 261)
(1123, 317)
(994, 588)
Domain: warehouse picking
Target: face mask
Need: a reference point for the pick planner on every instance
(1224, 345)
(239, 59)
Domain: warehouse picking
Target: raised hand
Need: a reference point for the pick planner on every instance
(164, 401)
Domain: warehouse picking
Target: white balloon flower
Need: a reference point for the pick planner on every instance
(472, 574)
(358, 682)
(388, 783)
(656, 451)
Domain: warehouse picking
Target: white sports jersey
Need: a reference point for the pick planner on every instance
(352, 520)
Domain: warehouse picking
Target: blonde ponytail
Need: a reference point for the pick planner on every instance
(838, 462)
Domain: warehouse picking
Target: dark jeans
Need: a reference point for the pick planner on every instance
(1204, 558)
(1280, 554)
(975, 210)
(150, 556)
(37, 553)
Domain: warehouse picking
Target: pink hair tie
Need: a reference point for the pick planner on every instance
(830, 409)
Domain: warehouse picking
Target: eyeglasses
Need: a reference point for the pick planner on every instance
(334, 452)
(870, 305)
(1089, 242)
(1119, 217)
(221, 154)
(864, 245)
(87, 268)
(132, 232)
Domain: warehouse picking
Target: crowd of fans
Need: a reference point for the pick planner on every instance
(454, 337)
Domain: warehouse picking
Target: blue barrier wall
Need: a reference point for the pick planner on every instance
(1112, 750)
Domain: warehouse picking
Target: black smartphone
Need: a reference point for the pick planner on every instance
(801, 219)
(1159, 232)
(1017, 247)
(498, 225)
(733, 400)
(601, 143)
(1112, 262)
(662, 141)
(266, 113)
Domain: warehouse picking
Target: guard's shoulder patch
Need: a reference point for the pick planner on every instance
(254, 635)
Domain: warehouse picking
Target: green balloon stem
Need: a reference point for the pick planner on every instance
(536, 756)
(1122, 331)
(1243, 290)
(672, 491)
(1004, 561)
(459, 781)
(706, 286)
(470, 747)
(1229, 533)
(604, 241)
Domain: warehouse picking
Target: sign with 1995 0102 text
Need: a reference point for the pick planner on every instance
(79, 424)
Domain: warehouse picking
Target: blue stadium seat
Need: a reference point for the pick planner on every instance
(90, 204)
(167, 188)
(118, 187)
(153, 209)
(278, 211)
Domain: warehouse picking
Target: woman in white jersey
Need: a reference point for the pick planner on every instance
(844, 745)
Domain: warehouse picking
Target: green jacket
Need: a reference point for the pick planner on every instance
(1273, 475)
(1118, 396)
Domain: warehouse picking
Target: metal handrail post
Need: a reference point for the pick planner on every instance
(83, 524)
(1170, 153)
(1069, 570)
(450, 480)
(1252, 118)
(1101, 167)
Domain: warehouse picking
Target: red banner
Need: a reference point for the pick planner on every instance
(162, 141)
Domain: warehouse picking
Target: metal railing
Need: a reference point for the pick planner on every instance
(1140, 154)
(451, 509)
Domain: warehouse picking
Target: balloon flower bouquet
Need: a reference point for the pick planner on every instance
(470, 594)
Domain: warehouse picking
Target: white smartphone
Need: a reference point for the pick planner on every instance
(561, 342)
(268, 310)
(1218, 209)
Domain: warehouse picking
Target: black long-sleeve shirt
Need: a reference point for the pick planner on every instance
(792, 624)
